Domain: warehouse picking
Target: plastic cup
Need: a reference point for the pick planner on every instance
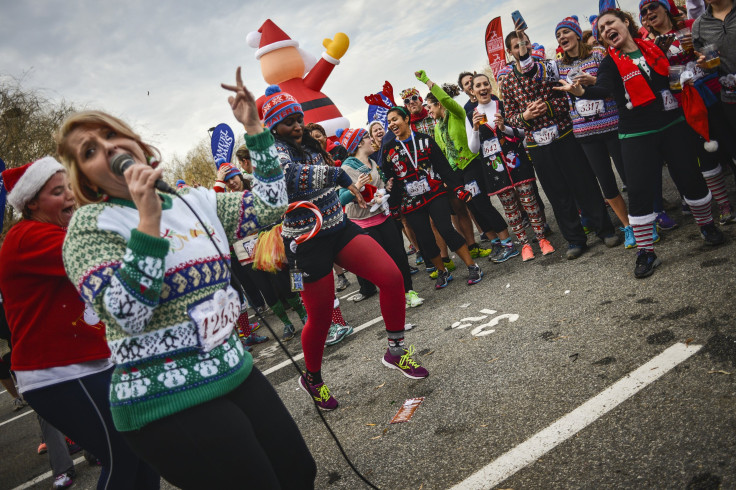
(685, 37)
(675, 72)
(712, 58)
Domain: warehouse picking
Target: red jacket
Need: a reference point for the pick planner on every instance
(44, 310)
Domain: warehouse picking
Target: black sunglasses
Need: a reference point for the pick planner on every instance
(413, 98)
(650, 7)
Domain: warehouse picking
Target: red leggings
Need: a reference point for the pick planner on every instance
(364, 257)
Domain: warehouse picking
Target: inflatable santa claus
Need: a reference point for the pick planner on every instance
(284, 64)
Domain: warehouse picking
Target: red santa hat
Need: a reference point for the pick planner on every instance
(269, 37)
(23, 183)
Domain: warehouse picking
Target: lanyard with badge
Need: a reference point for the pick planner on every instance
(420, 186)
(297, 275)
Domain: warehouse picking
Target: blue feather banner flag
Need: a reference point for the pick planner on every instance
(2, 195)
(223, 142)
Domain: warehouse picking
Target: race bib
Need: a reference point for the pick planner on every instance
(589, 108)
(417, 188)
(669, 101)
(546, 136)
(244, 248)
(473, 188)
(215, 317)
(491, 147)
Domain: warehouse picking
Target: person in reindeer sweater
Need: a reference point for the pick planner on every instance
(148, 267)
(419, 171)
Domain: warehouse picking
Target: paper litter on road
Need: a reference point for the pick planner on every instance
(407, 410)
(567, 291)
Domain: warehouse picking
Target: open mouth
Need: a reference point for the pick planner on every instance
(613, 37)
(68, 211)
(483, 93)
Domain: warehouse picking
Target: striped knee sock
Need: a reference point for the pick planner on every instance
(717, 185)
(702, 213)
(643, 236)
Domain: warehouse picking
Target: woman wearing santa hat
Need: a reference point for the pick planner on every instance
(314, 240)
(651, 128)
(183, 388)
(60, 356)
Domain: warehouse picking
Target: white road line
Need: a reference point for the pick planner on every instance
(545, 440)
(349, 294)
(17, 417)
(4, 391)
(301, 356)
(43, 477)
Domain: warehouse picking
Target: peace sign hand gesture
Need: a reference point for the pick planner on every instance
(243, 105)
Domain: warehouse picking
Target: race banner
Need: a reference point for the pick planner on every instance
(379, 112)
(223, 142)
(495, 46)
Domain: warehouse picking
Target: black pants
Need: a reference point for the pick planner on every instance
(245, 439)
(388, 236)
(643, 158)
(488, 218)
(80, 409)
(242, 274)
(600, 149)
(567, 178)
(439, 210)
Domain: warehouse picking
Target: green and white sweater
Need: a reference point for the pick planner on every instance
(142, 287)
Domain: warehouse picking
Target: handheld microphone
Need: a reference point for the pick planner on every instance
(120, 163)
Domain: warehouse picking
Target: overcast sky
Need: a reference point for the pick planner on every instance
(158, 65)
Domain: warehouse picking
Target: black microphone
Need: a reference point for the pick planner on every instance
(120, 163)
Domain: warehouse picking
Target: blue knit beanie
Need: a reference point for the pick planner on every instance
(278, 106)
(572, 24)
(664, 3)
(230, 173)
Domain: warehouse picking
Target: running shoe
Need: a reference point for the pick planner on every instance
(42, 448)
(62, 481)
(413, 300)
(449, 265)
(289, 332)
(413, 270)
(254, 339)
(655, 233)
(404, 363)
(664, 222)
(72, 446)
(337, 333)
(574, 251)
(727, 215)
(357, 298)
(411, 250)
(408, 326)
(19, 404)
(342, 283)
(477, 252)
(320, 393)
(527, 253)
(546, 247)
(646, 261)
(685, 209)
(711, 234)
(508, 250)
(611, 240)
(496, 249)
(419, 259)
(254, 326)
(629, 239)
(443, 277)
(474, 274)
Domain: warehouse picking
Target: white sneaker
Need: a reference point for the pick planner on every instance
(412, 299)
(63, 481)
(19, 404)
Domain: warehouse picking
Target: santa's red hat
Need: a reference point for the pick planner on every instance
(269, 37)
(23, 183)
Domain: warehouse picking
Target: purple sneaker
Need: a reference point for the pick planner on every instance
(664, 222)
(408, 366)
(321, 394)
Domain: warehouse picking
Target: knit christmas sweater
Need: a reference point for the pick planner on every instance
(594, 117)
(309, 178)
(532, 80)
(148, 291)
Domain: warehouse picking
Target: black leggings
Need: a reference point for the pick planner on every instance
(600, 150)
(643, 156)
(439, 210)
(488, 218)
(388, 236)
(243, 439)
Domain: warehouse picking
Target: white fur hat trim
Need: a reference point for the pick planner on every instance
(33, 181)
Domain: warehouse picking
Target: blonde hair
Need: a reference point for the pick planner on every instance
(83, 192)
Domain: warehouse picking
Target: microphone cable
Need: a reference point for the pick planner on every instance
(283, 347)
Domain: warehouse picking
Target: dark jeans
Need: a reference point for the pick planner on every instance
(600, 149)
(643, 158)
(245, 439)
(567, 178)
(388, 236)
(439, 210)
(80, 409)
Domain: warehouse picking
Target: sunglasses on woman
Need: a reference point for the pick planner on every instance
(650, 7)
(413, 98)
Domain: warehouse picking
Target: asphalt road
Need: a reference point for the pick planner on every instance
(547, 374)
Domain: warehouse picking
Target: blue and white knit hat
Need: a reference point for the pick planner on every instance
(571, 23)
(278, 106)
